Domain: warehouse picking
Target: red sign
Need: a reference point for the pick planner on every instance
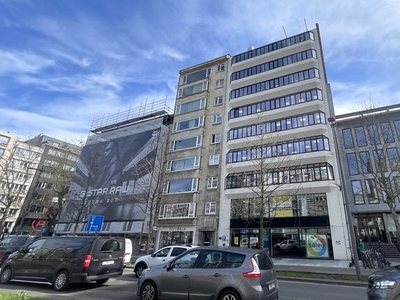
(37, 225)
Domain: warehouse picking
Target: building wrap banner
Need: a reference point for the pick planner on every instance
(113, 176)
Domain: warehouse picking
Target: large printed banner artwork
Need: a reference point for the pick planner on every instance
(317, 246)
(114, 176)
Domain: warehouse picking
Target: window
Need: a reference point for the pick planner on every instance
(214, 160)
(274, 83)
(348, 139)
(212, 182)
(393, 157)
(357, 192)
(199, 75)
(183, 164)
(188, 143)
(371, 191)
(221, 67)
(273, 47)
(220, 83)
(191, 106)
(188, 124)
(181, 186)
(218, 100)
(373, 133)
(380, 161)
(309, 119)
(217, 119)
(352, 163)
(360, 136)
(274, 64)
(365, 161)
(4, 140)
(178, 210)
(387, 133)
(216, 138)
(277, 103)
(211, 208)
(193, 89)
(397, 127)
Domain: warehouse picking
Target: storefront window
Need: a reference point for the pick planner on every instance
(169, 238)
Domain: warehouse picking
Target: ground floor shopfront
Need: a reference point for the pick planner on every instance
(375, 228)
(308, 237)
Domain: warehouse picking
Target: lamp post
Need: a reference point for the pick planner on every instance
(349, 218)
(25, 208)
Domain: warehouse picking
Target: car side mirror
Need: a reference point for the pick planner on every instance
(23, 250)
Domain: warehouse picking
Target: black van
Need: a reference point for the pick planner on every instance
(12, 243)
(66, 259)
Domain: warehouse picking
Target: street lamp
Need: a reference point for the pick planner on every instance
(349, 218)
(25, 208)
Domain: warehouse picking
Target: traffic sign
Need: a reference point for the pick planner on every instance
(95, 223)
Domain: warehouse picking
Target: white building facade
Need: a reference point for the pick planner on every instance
(276, 115)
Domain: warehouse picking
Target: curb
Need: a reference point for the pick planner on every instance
(327, 281)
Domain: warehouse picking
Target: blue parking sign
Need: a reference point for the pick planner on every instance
(95, 222)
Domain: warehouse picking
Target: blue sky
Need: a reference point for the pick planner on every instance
(64, 63)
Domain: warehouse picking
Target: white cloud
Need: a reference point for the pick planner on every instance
(22, 62)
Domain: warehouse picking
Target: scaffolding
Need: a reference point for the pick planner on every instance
(144, 112)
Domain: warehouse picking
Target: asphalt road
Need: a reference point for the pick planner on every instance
(124, 288)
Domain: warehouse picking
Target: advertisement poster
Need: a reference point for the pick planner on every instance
(113, 176)
(317, 246)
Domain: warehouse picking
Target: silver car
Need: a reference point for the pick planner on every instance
(221, 273)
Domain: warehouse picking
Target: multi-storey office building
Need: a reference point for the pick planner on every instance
(18, 164)
(189, 211)
(50, 186)
(278, 157)
(369, 150)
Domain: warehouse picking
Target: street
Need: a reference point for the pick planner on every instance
(124, 288)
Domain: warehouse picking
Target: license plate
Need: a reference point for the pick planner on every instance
(271, 286)
(107, 263)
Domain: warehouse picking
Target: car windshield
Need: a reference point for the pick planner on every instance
(13, 241)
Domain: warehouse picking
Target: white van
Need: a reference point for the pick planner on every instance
(253, 242)
(128, 251)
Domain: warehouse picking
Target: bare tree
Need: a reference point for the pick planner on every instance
(78, 205)
(148, 185)
(376, 159)
(61, 172)
(268, 170)
(18, 165)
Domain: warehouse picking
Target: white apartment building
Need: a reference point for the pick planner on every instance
(276, 117)
(18, 166)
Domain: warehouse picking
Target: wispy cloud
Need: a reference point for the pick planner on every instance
(70, 62)
(22, 62)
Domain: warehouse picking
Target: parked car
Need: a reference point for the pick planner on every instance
(13, 243)
(128, 251)
(163, 255)
(212, 273)
(62, 260)
(287, 245)
(253, 242)
(384, 284)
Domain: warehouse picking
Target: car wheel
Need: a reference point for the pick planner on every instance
(148, 291)
(229, 295)
(61, 283)
(101, 281)
(139, 269)
(6, 275)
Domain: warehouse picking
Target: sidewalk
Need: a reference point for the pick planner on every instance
(322, 266)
